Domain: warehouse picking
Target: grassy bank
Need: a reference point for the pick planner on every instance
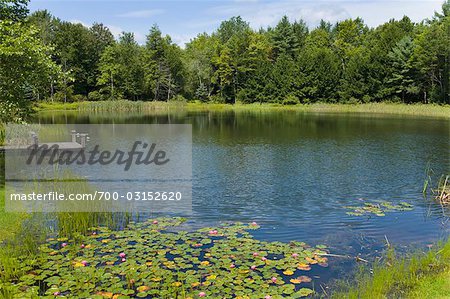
(374, 108)
(10, 223)
(420, 275)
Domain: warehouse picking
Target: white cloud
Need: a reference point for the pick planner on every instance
(117, 31)
(79, 22)
(142, 13)
(182, 39)
(262, 14)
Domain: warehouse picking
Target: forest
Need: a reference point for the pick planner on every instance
(44, 58)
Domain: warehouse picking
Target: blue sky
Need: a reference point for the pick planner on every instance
(183, 20)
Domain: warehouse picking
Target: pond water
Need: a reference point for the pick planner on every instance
(295, 172)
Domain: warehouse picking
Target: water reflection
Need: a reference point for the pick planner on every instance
(294, 171)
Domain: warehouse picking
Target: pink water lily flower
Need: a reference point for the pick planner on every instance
(255, 254)
(56, 293)
(82, 246)
(254, 223)
(94, 233)
(124, 260)
(202, 294)
(84, 263)
(155, 222)
(263, 259)
(63, 244)
(213, 232)
(268, 297)
(253, 267)
(274, 279)
(232, 266)
(295, 255)
(122, 255)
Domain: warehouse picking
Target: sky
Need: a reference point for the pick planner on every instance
(183, 20)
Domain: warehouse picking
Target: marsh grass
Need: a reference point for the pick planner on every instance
(129, 106)
(440, 191)
(401, 277)
(57, 106)
(21, 234)
(429, 110)
(80, 216)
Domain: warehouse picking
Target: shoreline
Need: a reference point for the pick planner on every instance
(398, 109)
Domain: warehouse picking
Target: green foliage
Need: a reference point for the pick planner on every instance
(418, 276)
(347, 62)
(25, 69)
(155, 259)
(15, 10)
(121, 69)
(291, 100)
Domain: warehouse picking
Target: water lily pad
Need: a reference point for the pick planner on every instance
(141, 261)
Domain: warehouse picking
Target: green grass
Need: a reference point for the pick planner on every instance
(22, 233)
(139, 106)
(50, 106)
(421, 275)
(437, 287)
(10, 223)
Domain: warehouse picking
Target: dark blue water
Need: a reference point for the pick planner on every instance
(294, 172)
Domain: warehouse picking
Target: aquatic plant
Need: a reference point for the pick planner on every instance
(147, 260)
(416, 275)
(440, 193)
(378, 208)
(373, 108)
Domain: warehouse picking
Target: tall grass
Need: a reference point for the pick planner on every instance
(372, 108)
(430, 110)
(128, 106)
(22, 233)
(398, 277)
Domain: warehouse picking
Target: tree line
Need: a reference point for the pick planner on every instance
(43, 57)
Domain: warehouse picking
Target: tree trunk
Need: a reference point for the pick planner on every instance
(170, 83)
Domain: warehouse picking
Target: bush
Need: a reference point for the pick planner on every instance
(95, 96)
(178, 98)
(79, 98)
(202, 93)
(291, 100)
(217, 99)
(60, 96)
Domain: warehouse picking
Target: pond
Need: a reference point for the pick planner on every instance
(296, 174)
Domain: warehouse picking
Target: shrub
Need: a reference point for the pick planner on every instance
(95, 96)
(178, 98)
(60, 96)
(217, 99)
(291, 100)
(79, 98)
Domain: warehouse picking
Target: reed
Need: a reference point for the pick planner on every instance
(401, 277)
(385, 108)
(129, 106)
(442, 193)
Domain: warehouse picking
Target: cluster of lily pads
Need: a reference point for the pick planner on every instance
(157, 259)
(378, 208)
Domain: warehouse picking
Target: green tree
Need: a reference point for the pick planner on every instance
(163, 66)
(25, 70)
(121, 69)
(286, 38)
(76, 53)
(402, 77)
(13, 10)
(432, 57)
(198, 58)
